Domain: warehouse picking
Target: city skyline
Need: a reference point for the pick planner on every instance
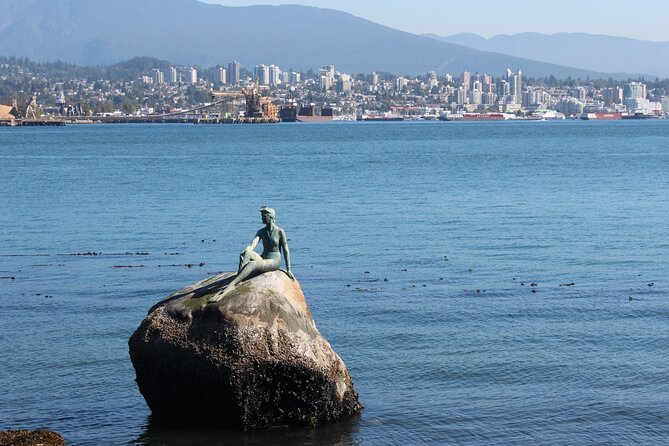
(488, 18)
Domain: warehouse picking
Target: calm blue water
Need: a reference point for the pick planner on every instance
(460, 218)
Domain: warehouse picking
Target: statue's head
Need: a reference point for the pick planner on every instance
(267, 214)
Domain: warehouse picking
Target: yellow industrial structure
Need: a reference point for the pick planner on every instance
(257, 106)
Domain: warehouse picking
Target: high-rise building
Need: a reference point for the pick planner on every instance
(344, 83)
(375, 78)
(329, 70)
(475, 97)
(173, 75)
(544, 98)
(530, 97)
(234, 68)
(432, 80)
(507, 75)
(580, 93)
(326, 82)
(459, 96)
(221, 75)
(274, 75)
(157, 76)
(516, 84)
(515, 81)
(295, 77)
(327, 77)
(192, 75)
(261, 73)
(613, 95)
(488, 86)
(466, 84)
(635, 90)
(503, 89)
(401, 83)
(488, 99)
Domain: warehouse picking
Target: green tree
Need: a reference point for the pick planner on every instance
(107, 106)
(129, 107)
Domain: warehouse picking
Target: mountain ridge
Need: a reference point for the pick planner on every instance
(595, 52)
(189, 32)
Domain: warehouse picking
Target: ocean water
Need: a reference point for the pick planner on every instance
(485, 283)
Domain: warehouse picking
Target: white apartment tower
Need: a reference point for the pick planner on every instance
(221, 75)
(636, 90)
(327, 77)
(261, 73)
(516, 85)
(274, 75)
(157, 76)
(466, 84)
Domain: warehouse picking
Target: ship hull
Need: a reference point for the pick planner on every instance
(315, 118)
(383, 118)
(473, 117)
(603, 116)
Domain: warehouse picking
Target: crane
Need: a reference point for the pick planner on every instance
(257, 106)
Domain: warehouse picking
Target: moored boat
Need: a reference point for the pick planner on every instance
(476, 117)
(601, 115)
(382, 118)
(309, 113)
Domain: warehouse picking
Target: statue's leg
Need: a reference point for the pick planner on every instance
(253, 267)
(247, 256)
(245, 272)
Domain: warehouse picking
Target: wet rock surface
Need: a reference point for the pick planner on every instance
(253, 360)
(31, 438)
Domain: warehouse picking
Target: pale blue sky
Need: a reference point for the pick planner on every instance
(641, 19)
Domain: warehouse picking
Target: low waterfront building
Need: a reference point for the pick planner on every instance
(8, 114)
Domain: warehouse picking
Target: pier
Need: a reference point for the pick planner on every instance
(58, 121)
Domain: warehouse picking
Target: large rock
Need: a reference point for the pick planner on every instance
(253, 360)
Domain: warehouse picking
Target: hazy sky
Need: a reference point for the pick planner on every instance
(641, 19)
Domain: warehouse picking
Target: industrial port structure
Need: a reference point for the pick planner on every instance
(259, 110)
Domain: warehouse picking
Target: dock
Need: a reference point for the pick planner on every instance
(59, 121)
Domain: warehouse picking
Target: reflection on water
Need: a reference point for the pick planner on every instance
(341, 433)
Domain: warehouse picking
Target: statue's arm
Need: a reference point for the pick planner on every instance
(246, 254)
(254, 242)
(283, 242)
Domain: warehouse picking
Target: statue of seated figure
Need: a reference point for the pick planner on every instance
(251, 263)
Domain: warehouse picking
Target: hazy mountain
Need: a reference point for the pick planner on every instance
(188, 32)
(586, 51)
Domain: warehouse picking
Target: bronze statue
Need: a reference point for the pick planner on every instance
(251, 263)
